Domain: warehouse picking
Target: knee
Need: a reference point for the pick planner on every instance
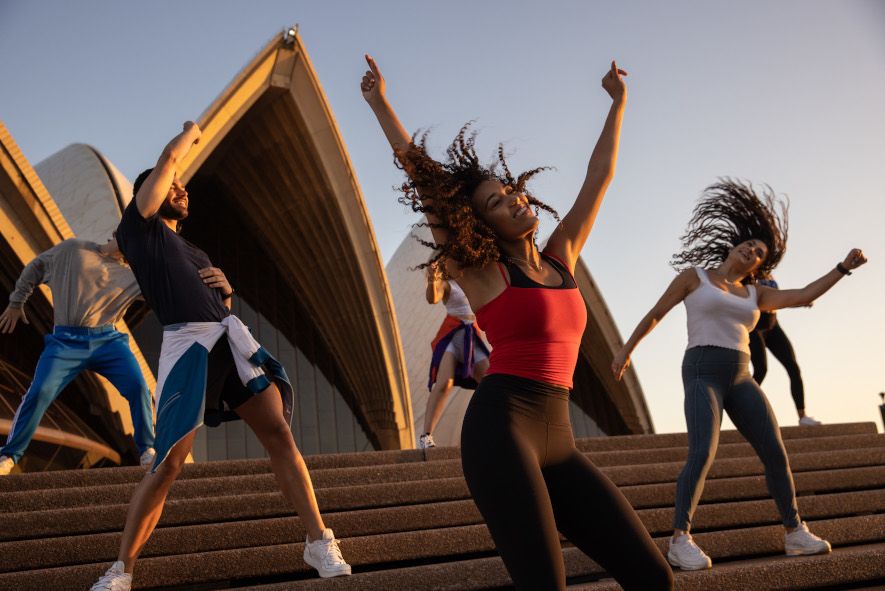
(701, 458)
(777, 461)
(169, 470)
(441, 387)
(41, 395)
(277, 436)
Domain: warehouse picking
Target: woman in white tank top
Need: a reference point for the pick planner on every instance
(460, 356)
(732, 236)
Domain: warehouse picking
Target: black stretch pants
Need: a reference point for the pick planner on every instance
(778, 343)
(531, 482)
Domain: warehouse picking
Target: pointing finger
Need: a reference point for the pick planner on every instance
(372, 65)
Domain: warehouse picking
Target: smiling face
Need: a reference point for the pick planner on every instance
(175, 205)
(747, 256)
(507, 212)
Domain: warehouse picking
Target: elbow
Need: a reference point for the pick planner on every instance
(170, 156)
(602, 173)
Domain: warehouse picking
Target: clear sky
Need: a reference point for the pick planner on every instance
(790, 93)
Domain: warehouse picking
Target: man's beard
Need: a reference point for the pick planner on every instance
(169, 212)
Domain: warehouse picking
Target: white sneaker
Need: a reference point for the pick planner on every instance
(685, 554)
(6, 465)
(801, 542)
(147, 458)
(325, 556)
(807, 421)
(114, 580)
(426, 441)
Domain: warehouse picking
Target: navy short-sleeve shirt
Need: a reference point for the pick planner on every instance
(167, 269)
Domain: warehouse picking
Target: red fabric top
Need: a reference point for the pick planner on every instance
(535, 332)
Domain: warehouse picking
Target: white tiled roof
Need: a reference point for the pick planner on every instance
(418, 324)
(88, 189)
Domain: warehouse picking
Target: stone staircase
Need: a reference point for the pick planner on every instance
(406, 521)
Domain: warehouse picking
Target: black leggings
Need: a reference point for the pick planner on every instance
(530, 481)
(775, 339)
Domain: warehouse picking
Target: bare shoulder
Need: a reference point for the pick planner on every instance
(481, 284)
(687, 281)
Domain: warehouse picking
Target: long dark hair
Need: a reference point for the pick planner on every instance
(447, 190)
(731, 212)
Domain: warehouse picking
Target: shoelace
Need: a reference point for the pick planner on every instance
(690, 543)
(333, 553)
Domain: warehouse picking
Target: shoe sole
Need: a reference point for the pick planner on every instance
(327, 574)
(806, 553)
(330, 574)
(679, 565)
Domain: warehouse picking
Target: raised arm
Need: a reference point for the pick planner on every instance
(156, 186)
(436, 287)
(374, 90)
(681, 286)
(775, 299)
(569, 237)
(31, 276)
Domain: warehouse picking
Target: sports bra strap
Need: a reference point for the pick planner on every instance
(503, 274)
(702, 274)
(560, 261)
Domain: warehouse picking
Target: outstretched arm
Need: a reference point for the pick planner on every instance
(681, 286)
(155, 188)
(569, 237)
(374, 90)
(31, 276)
(775, 299)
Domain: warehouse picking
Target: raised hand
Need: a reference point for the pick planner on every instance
(372, 85)
(620, 364)
(613, 83)
(10, 318)
(194, 129)
(854, 259)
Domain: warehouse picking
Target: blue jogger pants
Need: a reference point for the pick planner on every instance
(69, 350)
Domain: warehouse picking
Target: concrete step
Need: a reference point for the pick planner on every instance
(220, 567)
(606, 451)
(74, 549)
(36, 500)
(489, 573)
(85, 519)
(845, 566)
(406, 520)
(664, 440)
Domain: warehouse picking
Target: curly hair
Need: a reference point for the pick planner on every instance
(730, 212)
(446, 193)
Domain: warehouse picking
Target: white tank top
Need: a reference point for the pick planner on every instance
(457, 304)
(720, 318)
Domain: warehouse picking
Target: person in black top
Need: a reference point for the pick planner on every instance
(192, 300)
(769, 334)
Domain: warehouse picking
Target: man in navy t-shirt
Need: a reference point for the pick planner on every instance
(192, 299)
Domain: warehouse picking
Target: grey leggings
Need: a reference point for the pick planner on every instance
(717, 379)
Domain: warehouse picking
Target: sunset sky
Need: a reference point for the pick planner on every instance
(788, 93)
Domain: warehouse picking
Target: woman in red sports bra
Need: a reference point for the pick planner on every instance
(517, 449)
